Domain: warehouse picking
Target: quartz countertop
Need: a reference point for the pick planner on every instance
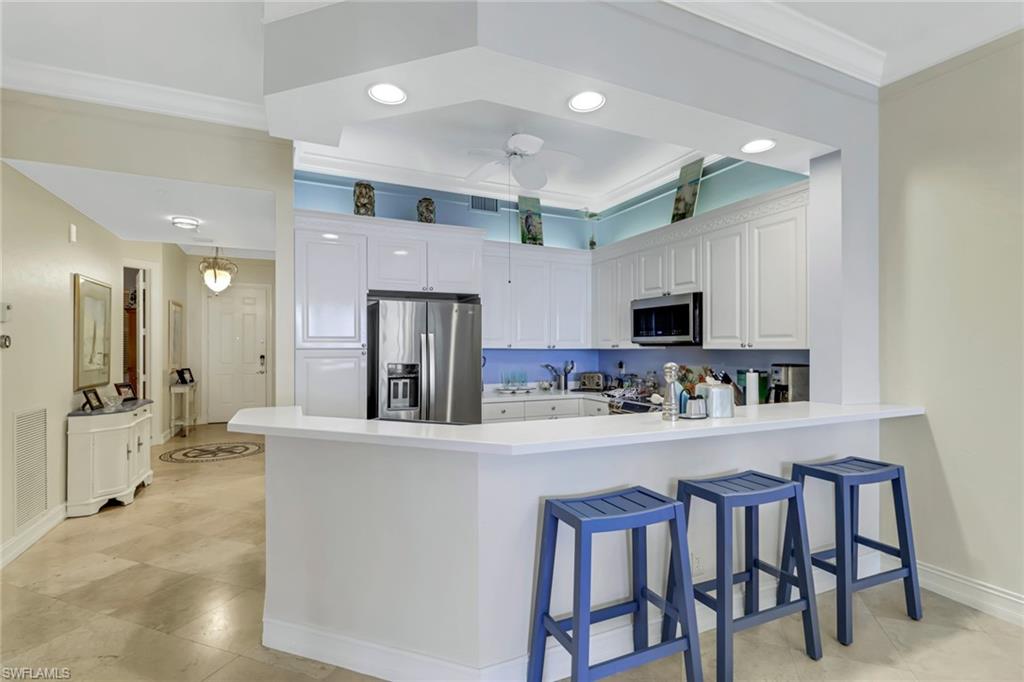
(510, 438)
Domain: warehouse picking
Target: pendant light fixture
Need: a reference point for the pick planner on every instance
(217, 272)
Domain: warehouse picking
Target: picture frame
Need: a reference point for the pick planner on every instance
(92, 308)
(185, 376)
(175, 335)
(531, 223)
(126, 391)
(93, 401)
(686, 194)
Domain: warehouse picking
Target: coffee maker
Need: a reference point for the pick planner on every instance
(790, 383)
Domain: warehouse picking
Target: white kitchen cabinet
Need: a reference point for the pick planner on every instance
(330, 291)
(495, 303)
(725, 288)
(614, 291)
(453, 265)
(397, 264)
(684, 266)
(755, 283)
(569, 306)
(331, 383)
(531, 320)
(108, 457)
(593, 408)
(651, 273)
(778, 281)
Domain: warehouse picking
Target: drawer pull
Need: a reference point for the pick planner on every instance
(553, 407)
(503, 411)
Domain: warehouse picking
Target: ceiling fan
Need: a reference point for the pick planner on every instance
(525, 157)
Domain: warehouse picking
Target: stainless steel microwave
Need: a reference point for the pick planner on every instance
(667, 320)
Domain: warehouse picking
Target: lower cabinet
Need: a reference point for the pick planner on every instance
(529, 410)
(108, 457)
(331, 383)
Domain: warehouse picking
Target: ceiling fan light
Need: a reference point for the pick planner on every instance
(387, 93)
(586, 102)
(185, 222)
(758, 146)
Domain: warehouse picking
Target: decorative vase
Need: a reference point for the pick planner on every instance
(363, 201)
(425, 210)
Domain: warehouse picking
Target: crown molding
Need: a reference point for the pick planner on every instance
(794, 32)
(41, 79)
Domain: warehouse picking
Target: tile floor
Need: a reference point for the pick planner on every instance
(171, 588)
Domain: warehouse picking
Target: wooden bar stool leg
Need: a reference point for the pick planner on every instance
(908, 558)
(639, 538)
(854, 528)
(581, 608)
(723, 593)
(683, 601)
(798, 519)
(750, 591)
(542, 600)
(844, 577)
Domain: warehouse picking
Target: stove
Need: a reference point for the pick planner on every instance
(630, 405)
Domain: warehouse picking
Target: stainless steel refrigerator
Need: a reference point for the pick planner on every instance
(424, 360)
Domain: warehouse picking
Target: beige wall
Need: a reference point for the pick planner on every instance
(174, 289)
(952, 307)
(250, 271)
(39, 264)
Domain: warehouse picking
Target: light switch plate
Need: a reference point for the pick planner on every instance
(72, 233)
(5, 311)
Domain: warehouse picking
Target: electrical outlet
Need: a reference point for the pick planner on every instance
(696, 565)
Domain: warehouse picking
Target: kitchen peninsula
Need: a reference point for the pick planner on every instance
(407, 550)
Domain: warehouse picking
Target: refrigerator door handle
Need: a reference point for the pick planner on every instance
(431, 376)
(424, 377)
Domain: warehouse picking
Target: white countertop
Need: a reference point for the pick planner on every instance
(510, 438)
(492, 396)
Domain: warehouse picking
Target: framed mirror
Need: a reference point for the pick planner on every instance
(92, 332)
(175, 335)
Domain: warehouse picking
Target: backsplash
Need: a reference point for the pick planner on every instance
(636, 360)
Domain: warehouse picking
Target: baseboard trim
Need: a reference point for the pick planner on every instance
(987, 598)
(164, 437)
(390, 663)
(32, 533)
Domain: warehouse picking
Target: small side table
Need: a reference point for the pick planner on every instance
(186, 417)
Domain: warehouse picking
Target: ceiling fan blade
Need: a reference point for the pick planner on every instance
(484, 171)
(530, 173)
(524, 144)
(487, 153)
(558, 158)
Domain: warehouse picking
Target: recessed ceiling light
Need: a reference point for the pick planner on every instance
(386, 93)
(401, 252)
(586, 101)
(757, 146)
(329, 235)
(185, 222)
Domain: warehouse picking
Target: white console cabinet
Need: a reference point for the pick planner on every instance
(108, 456)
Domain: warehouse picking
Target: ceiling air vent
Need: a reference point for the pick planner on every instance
(483, 204)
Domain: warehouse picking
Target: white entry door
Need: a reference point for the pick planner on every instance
(237, 351)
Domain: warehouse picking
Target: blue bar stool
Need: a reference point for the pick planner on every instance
(630, 509)
(848, 475)
(747, 491)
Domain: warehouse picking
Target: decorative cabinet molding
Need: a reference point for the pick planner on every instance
(614, 285)
(108, 457)
(397, 264)
(330, 291)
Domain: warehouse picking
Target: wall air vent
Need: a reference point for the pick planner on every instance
(29, 466)
(483, 204)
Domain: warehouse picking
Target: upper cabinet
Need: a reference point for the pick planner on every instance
(755, 283)
(330, 290)
(535, 297)
(652, 273)
(442, 263)
(614, 287)
(684, 266)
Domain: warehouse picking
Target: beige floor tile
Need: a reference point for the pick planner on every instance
(57, 575)
(153, 545)
(180, 603)
(341, 675)
(247, 670)
(247, 569)
(203, 555)
(235, 625)
(122, 589)
(836, 668)
(939, 652)
(98, 642)
(28, 619)
(164, 658)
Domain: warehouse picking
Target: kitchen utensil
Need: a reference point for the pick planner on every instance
(696, 408)
(568, 368)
